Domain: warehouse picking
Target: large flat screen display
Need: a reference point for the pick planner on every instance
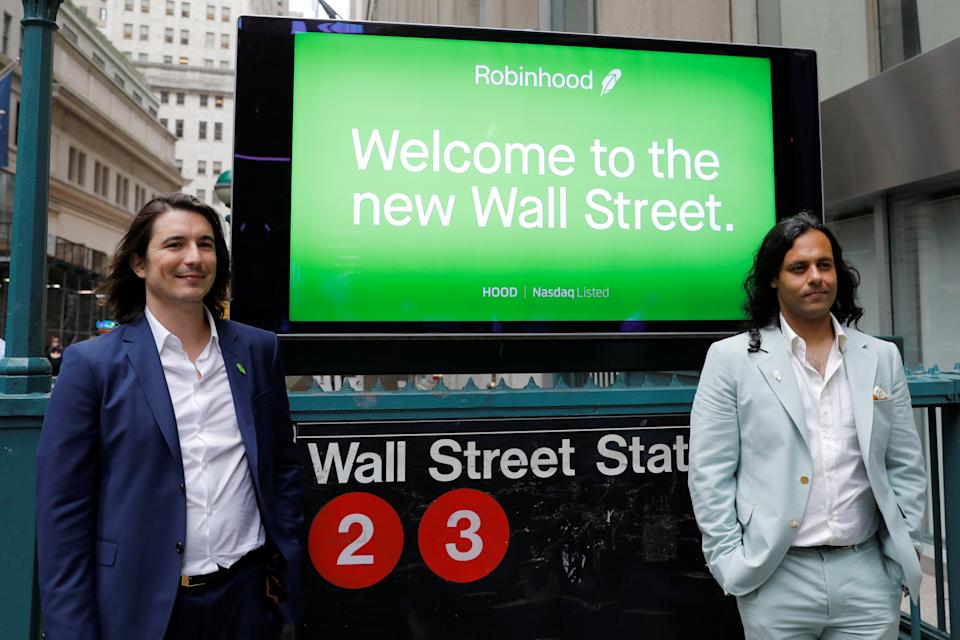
(397, 179)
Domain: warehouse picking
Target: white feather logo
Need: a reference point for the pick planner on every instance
(610, 81)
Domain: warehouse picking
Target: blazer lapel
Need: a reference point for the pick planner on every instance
(145, 360)
(861, 366)
(777, 371)
(237, 364)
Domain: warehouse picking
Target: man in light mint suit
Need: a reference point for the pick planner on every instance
(806, 471)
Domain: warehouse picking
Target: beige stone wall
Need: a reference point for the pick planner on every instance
(511, 14)
(447, 12)
(708, 20)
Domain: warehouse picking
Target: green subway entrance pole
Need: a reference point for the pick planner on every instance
(24, 371)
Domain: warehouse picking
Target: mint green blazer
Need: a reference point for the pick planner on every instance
(748, 451)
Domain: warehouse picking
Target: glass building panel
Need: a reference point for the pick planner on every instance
(857, 237)
(924, 236)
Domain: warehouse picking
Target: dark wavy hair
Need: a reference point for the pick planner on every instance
(124, 293)
(762, 307)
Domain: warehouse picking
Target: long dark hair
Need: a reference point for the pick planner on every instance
(762, 306)
(124, 293)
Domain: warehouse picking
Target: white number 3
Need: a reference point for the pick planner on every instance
(470, 534)
(348, 555)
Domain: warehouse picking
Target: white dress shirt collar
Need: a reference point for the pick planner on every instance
(795, 343)
(161, 333)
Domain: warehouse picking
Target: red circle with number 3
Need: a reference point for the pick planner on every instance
(464, 535)
(355, 540)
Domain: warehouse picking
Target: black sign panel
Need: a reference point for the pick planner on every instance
(568, 527)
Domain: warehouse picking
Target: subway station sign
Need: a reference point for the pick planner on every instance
(566, 527)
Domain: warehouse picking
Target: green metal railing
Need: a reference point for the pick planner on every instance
(936, 392)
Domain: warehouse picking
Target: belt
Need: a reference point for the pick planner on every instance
(827, 547)
(248, 560)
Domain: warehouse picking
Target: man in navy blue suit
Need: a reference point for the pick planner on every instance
(168, 490)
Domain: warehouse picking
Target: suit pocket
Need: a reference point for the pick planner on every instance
(105, 553)
(744, 510)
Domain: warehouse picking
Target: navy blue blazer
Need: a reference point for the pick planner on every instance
(111, 506)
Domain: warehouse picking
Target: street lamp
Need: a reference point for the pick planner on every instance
(224, 187)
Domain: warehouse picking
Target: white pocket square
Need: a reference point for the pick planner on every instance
(880, 394)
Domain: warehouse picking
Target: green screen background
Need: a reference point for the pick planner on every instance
(343, 272)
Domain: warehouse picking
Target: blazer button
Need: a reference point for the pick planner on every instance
(182, 488)
(179, 547)
(794, 524)
(804, 480)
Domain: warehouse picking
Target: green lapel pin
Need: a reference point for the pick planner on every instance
(241, 369)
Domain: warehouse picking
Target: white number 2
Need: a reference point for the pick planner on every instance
(470, 534)
(348, 555)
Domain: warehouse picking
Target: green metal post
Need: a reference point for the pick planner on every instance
(24, 370)
(950, 422)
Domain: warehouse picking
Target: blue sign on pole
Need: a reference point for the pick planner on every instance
(5, 83)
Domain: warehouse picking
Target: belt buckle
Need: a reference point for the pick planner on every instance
(189, 582)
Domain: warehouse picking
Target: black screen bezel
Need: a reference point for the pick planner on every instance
(261, 176)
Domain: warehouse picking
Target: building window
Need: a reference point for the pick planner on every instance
(202, 195)
(167, 59)
(119, 80)
(184, 60)
(103, 15)
(201, 167)
(163, 122)
(184, 36)
(224, 64)
(208, 62)
(144, 6)
(225, 14)
(224, 40)
(128, 5)
(217, 167)
(137, 98)
(181, 98)
(77, 167)
(7, 21)
(211, 12)
(101, 179)
(120, 193)
(153, 111)
(178, 163)
(202, 132)
(70, 33)
(218, 131)
(140, 197)
(168, 36)
(168, 7)
(97, 60)
(178, 128)
(218, 102)
(184, 9)
(203, 99)
(128, 32)
(209, 39)
(141, 57)
(144, 32)
(164, 97)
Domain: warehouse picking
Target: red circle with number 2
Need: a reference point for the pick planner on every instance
(355, 540)
(464, 535)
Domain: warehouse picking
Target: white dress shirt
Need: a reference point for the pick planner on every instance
(841, 509)
(223, 520)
